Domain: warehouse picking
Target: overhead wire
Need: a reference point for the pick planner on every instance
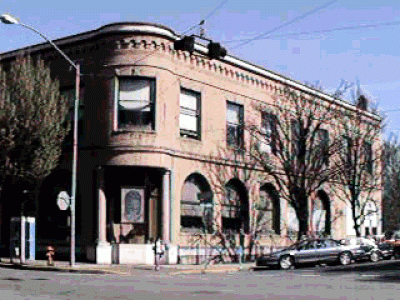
(322, 31)
(302, 16)
(206, 17)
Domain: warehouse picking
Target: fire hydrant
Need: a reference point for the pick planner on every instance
(50, 252)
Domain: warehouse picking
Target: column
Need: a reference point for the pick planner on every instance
(102, 217)
(103, 248)
(102, 208)
(172, 253)
(166, 206)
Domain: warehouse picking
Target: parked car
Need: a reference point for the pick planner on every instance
(392, 237)
(315, 251)
(363, 249)
(387, 250)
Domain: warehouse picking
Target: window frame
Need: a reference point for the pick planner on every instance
(65, 92)
(231, 205)
(269, 123)
(238, 144)
(152, 104)
(368, 156)
(197, 114)
(295, 134)
(323, 144)
(198, 219)
(273, 209)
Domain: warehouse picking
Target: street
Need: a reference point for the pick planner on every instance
(361, 281)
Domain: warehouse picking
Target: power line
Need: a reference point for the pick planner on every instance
(207, 17)
(392, 110)
(302, 16)
(322, 31)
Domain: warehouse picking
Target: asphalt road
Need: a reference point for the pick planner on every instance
(359, 281)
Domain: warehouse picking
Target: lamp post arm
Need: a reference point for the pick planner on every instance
(51, 43)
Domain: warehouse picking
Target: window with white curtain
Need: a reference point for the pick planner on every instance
(189, 117)
(136, 103)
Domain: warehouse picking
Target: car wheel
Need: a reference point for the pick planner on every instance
(345, 258)
(286, 262)
(374, 257)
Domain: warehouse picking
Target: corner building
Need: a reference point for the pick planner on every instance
(151, 122)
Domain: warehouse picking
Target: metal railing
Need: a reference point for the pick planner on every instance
(196, 255)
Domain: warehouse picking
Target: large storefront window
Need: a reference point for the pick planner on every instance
(196, 204)
(234, 210)
(269, 208)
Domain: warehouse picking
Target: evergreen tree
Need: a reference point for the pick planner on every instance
(32, 125)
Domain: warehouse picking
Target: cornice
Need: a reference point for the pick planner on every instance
(229, 66)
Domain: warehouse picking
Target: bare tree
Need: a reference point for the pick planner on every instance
(359, 181)
(291, 142)
(240, 214)
(391, 194)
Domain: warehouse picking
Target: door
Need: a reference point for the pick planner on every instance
(327, 250)
(306, 253)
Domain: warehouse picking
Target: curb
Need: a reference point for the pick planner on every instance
(125, 269)
(54, 269)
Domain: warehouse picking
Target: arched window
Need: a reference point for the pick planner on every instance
(269, 209)
(235, 213)
(322, 214)
(196, 204)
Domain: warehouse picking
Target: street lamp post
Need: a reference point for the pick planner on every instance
(8, 19)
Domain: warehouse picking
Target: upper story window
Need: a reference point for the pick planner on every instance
(368, 156)
(323, 144)
(69, 94)
(295, 137)
(345, 149)
(234, 125)
(189, 118)
(269, 130)
(136, 103)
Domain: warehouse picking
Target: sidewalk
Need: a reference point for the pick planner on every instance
(90, 268)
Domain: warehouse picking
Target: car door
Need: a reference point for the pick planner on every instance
(306, 253)
(327, 250)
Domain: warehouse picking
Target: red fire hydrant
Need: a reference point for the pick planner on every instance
(50, 252)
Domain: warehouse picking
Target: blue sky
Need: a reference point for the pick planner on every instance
(368, 54)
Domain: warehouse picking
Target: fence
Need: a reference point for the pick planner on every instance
(195, 255)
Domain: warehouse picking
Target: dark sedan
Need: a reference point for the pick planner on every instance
(387, 250)
(308, 252)
(363, 249)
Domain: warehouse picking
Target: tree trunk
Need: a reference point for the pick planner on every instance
(356, 226)
(303, 228)
(302, 216)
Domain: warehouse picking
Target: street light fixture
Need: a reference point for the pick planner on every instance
(8, 19)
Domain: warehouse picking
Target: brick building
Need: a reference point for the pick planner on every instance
(151, 121)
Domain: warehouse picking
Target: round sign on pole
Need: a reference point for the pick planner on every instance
(63, 200)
